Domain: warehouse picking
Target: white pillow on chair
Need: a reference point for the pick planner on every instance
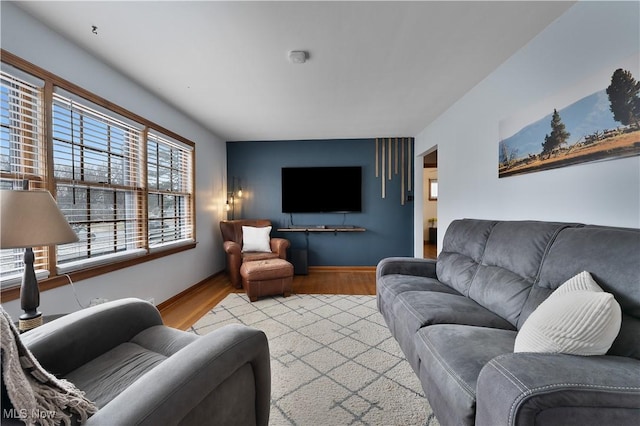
(578, 318)
(256, 239)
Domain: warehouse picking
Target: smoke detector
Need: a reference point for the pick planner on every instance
(298, 56)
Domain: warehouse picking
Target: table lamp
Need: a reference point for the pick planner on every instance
(31, 219)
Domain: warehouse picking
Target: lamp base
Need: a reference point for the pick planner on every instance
(26, 324)
(29, 295)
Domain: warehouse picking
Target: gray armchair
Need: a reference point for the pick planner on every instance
(140, 372)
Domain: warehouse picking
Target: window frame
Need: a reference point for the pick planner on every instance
(59, 278)
(433, 189)
(179, 184)
(26, 161)
(88, 145)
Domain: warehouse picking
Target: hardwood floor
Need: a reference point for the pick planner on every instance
(186, 308)
(430, 251)
(183, 310)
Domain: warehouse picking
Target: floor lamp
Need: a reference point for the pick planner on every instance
(31, 219)
(233, 196)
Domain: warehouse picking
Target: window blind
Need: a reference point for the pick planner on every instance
(97, 164)
(22, 158)
(92, 157)
(169, 185)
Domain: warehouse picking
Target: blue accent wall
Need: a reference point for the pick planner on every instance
(388, 223)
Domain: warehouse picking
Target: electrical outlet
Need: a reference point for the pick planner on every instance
(98, 301)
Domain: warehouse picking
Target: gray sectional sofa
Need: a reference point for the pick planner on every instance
(457, 318)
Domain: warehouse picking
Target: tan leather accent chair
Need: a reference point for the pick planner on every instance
(232, 242)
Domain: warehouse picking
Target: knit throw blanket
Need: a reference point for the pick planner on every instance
(37, 396)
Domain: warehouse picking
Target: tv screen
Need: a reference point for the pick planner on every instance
(321, 189)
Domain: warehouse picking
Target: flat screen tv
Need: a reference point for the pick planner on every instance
(321, 189)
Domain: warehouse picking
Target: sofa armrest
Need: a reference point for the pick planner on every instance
(407, 266)
(280, 245)
(223, 377)
(234, 261)
(550, 389)
(232, 248)
(83, 335)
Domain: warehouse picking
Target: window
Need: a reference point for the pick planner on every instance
(22, 158)
(124, 184)
(169, 182)
(97, 167)
(433, 189)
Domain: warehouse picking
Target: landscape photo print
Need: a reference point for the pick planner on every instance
(598, 119)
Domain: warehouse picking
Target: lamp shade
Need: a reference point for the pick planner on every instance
(31, 219)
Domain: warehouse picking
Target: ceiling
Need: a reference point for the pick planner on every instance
(374, 68)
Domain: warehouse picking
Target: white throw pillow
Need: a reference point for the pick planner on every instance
(578, 318)
(256, 239)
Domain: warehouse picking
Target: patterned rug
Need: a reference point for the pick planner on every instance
(333, 360)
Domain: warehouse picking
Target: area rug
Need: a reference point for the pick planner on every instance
(333, 360)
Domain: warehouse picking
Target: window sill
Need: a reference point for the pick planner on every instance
(83, 274)
(169, 246)
(15, 280)
(110, 259)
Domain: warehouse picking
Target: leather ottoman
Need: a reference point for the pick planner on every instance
(266, 277)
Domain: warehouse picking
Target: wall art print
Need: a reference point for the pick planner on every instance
(597, 120)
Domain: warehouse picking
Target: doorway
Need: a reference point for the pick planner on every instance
(430, 204)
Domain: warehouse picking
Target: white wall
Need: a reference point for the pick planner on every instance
(588, 37)
(165, 277)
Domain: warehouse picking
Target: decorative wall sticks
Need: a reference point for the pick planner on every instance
(377, 162)
(393, 156)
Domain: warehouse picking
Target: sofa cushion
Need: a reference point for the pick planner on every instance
(163, 340)
(451, 357)
(388, 287)
(413, 310)
(612, 256)
(257, 255)
(578, 318)
(256, 239)
(462, 250)
(510, 265)
(106, 376)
